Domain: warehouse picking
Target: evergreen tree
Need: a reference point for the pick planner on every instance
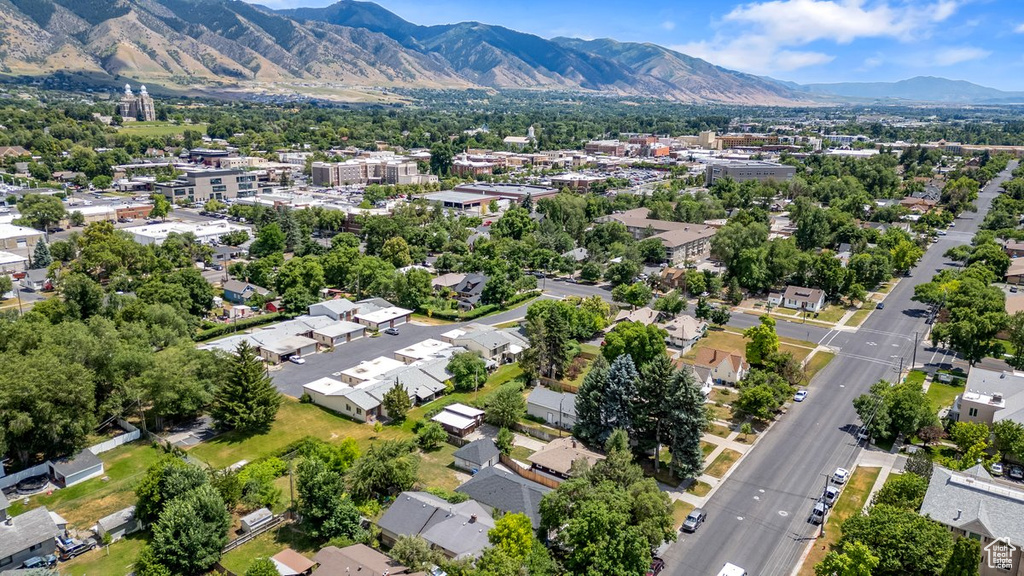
(686, 420)
(619, 395)
(651, 411)
(589, 425)
(556, 342)
(396, 402)
(247, 401)
(41, 257)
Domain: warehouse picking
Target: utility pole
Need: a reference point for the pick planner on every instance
(914, 361)
(822, 500)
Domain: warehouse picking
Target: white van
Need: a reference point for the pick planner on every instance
(731, 570)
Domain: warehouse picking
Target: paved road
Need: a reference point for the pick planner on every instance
(289, 378)
(757, 518)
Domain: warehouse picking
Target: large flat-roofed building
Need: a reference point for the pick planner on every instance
(373, 170)
(691, 242)
(609, 147)
(576, 181)
(203, 185)
(464, 202)
(206, 232)
(19, 239)
(512, 192)
(741, 171)
(725, 141)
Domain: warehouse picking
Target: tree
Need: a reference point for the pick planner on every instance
(513, 533)
(506, 406)
(1015, 331)
(619, 394)
(636, 294)
(247, 401)
(82, 295)
(396, 402)
(497, 290)
(6, 285)
(720, 316)
(589, 425)
(919, 463)
(161, 206)
(651, 250)
(41, 212)
(855, 560)
(262, 567)
(903, 541)
(902, 491)
(640, 342)
(412, 551)
(269, 240)
(671, 304)
(431, 436)
(1009, 437)
(396, 251)
(621, 272)
(468, 371)
(687, 418)
(191, 531)
(590, 272)
(323, 505)
(413, 288)
(441, 158)
(504, 441)
(41, 257)
(764, 341)
(963, 561)
(968, 434)
(167, 479)
(703, 310)
(388, 467)
(888, 410)
(147, 564)
(514, 224)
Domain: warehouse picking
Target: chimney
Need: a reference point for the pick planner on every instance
(472, 519)
(1002, 375)
(573, 442)
(958, 513)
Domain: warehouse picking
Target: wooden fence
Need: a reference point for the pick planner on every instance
(261, 529)
(528, 473)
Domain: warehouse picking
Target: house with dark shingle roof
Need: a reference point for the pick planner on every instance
(477, 455)
(78, 468)
(505, 491)
(239, 292)
(456, 530)
(28, 534)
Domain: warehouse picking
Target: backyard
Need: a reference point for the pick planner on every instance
(730, 341)
(114, 560)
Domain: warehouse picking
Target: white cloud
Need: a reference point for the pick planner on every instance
(951, 56)
(668, 25)
(1019, 29)
(764, 36)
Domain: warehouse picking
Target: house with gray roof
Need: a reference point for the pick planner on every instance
(118, 524)
(238, 292)
(497, 345)
(28, 534)
(505, 491)
(972, 504)
(337, 309)
(456, 530)
(558, 409)
(69, 471)
(477, 455)
(990, 396)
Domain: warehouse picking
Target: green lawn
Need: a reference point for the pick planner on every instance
(916, 377)
(730, 341)
(266, 545)
(719, 430)
(942, 395)
(851, 501)
(159, 128)
(294, 421)
(723, 413)
(680, 510)
(861, 315)
(723, 395)
(816, 364)
(114, 560)
(502, 375)
(707, 448)
(437, 468)
(723, 462)
(521, 453)
(831, 314)
(699, 488)
(85, 503)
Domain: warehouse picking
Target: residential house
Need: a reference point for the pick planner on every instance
(1015, 273)
(119, 524)
(644, 315)
(459, 419)
(69, 471)
(36, 280)
(290, 563)
(477, 455)
(378, 314)
(800, 298)
(428, 348)
(337, 309)
(577, 254)
(973, 505)
(556, 457)
(456, 530)
(355, 560)
(558, 409)
(507, 492)
(449, 281)
(469, 291)
(285, 348)
(339, 333)
(360, 392)
(496, 345)
(990, 396)
(1014, 248)
(918, 205)
(701, 375)
(725, 367)
(683, 331)
(31, 533)
(240, 292)
(674, 278)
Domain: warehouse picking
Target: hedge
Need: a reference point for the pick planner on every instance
(240, 325)
(480, 310)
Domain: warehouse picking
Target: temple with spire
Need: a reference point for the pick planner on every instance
(136, 106)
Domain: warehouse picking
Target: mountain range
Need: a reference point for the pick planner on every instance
(211, 45)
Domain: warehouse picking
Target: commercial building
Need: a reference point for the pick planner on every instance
(204, 232)
(990, 396)
(372, 170)
(606, 147)
(576, 181)
(11, 263)
(512, 192)
(18, 239)
(463, 202)
(742, 171)
(204, 185)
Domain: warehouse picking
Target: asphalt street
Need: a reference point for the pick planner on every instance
(758, 517)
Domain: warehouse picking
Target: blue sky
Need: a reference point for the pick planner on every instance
(801, 40)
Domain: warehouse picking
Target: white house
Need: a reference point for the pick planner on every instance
(800, 298)
(683, 331)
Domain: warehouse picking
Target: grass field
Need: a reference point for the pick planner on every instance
(816, 364)
(851, 501)
(159, 128)
(735, 342)
(699, 488)
(723, 395)
(265, 546)
(680, 510)
(723, 413)
(437, 468)
(861, 315)
(85, 503)
(831, 314)
(943, 395)
(294, 421)
(707, 448)
(521, 453)
(719, 430)
(722, 463)
(502, 375)
(114, 560)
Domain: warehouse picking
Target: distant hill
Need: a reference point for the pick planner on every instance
(919, 89)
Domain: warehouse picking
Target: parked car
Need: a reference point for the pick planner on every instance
(862, 434)
(841, 475)
(831, 495)
(392, 331)
(657, 565)
(71, 547)
(880, 306)
(1016, 472)
(800, 395)
(694, 520)
(818, 513)
(47, 561)
(297, 360)
(1013, 289)
(996, 469)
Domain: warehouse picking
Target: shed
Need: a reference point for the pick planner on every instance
(477, 455)
(255, 519)
(70, 471)
(290, 563)
(118, 524)
(459, 419)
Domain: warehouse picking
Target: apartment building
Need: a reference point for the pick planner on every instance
(607, 147)
(204, 185)
(370, 170)
(751, 170)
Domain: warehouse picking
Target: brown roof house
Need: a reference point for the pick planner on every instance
(358, 559)
(725, 367)
(684, 331)
(290, 563)
(800, 298)
(556, 458)
(644, 315)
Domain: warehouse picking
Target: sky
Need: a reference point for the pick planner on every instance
(805, 41)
